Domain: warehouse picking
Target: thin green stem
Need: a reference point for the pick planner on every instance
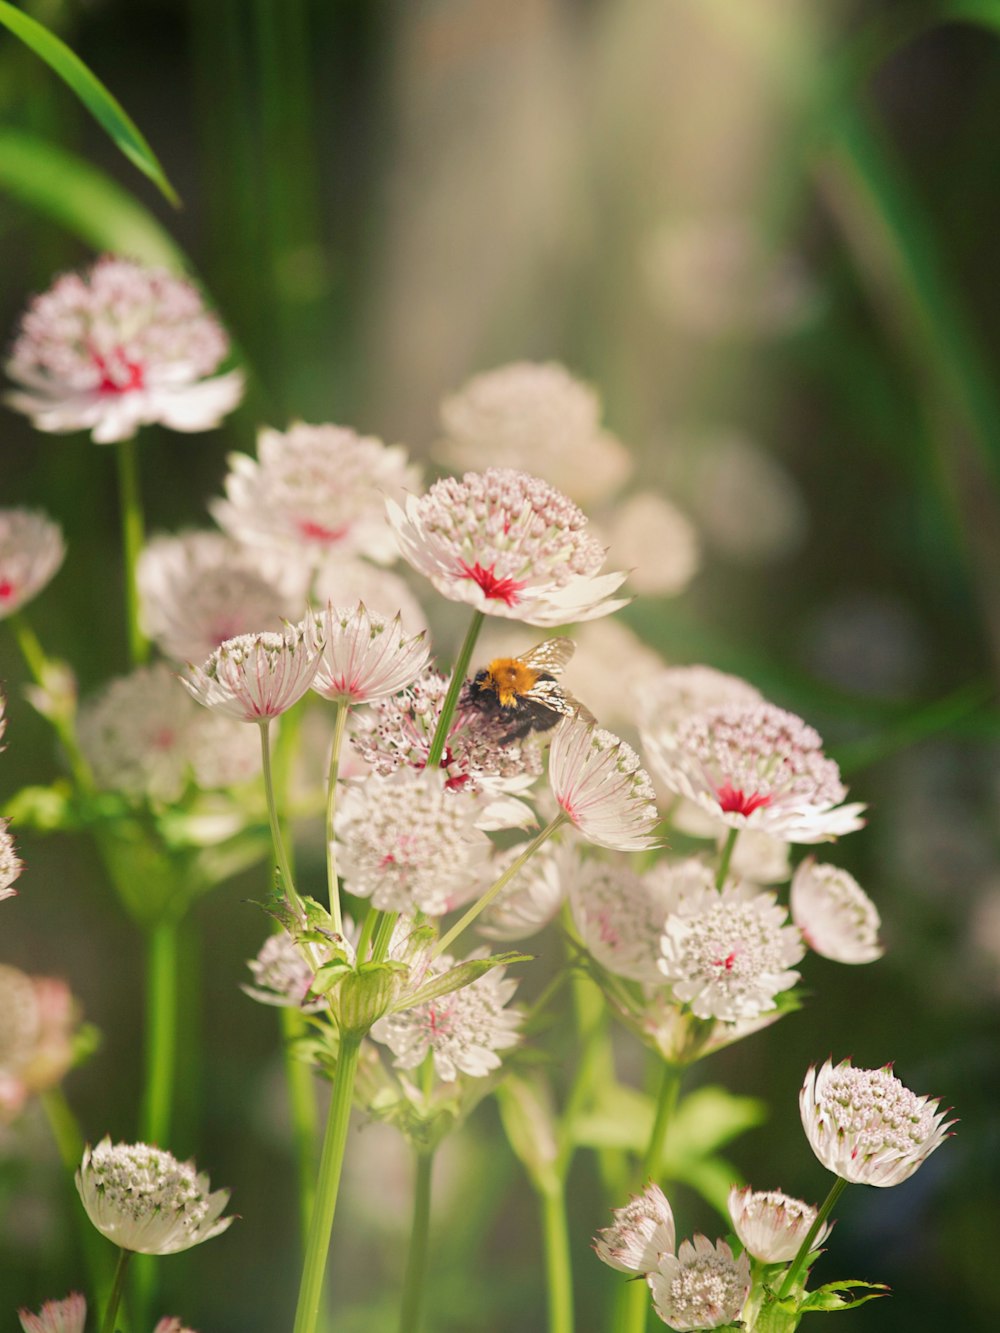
(327, 1186)
(383, 936)
(302, 1106)
(133, 536)
(558, 1268)
(281, 856)
(454, 689)
(411, 1308)
(339, 725)
(726, 857)
(797, 1263)
(161, 1031)
(40, 667)
(482, 903)
(367, 927)
(114, 1300)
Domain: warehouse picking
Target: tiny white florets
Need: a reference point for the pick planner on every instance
(702, 1287)
(642, 1232)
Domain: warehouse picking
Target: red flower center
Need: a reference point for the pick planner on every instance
(317, 532)
(127, 375)
(734, 801)
(500, 590)
(6, 590)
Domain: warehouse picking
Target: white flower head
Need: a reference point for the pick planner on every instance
(256, 677)
(702, 1287)
(620, 917)
(463, 1030)
(119, 346)
(282, 976)
(38, 1019)
(538, 418)
(533, 897)
(865, 1126)
(656, 542)
(669, 698)
(145, 1201)
(314, 490)
(756, 767)
(31, 551)
(598, 783)
(366, 657)
(837, 918)
(345, 582)
(729, 952)
(509, 545)
(771, 1225)
(641, 1233)
(66, 1316)
(11, 864)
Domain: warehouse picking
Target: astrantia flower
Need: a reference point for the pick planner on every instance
(146, 1201)
(771, 1225)
(259, 676)
(316, 489)
(865, 1126)
(703, 1287)
(728, 953)
(536, 418)
(65, 1316)
(620, 917)
(366, 657)
(642, 1231)
(835, 915)
(463, 1030)
(31, 550)
(345, 582)
(509, 545)
(171, 1324)
(535, 894)
(758, 856)
(657, 543)
(10, 863)
(599, 785)
(757, 767)
(116, 347)
(282, 976)
(38, 1017)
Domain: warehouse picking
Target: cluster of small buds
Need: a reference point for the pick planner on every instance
(700, 1287)
(31, 551)
(257, 677)
(600, 787)
(366, 657)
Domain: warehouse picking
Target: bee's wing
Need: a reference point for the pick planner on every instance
(551, 656)
(551, 695)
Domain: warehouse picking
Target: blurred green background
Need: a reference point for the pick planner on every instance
(766, 231)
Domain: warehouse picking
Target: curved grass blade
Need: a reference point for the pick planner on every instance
(105, 108)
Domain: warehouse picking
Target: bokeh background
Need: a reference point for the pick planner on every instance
(765, 230)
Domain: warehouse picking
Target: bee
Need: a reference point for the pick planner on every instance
(522, 692)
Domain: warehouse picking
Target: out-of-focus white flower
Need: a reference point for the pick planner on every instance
(533, 897)
(66, 1316)
(345, 582)
(771, 1225)
(835, 915)
(755, 767)
(535, 417)
(676, 693)
(366, 657)
(38, 1017)
(119, 346)
(728, 952)
(655, 542)
(509, 545)
(171, 1324)
(642, 1232)
(598, 783)
(702, 1287)
(463, 1029)
(316, 490)
(256, 677)
(865, 1126)
(11, 864)
(31, 551)
(759, 857)
(282, 976)
(144, 1200)
(620, 917)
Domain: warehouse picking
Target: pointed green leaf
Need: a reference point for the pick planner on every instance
(829, 1298)
(457, 977)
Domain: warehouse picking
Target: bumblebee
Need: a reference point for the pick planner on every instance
(522, 692)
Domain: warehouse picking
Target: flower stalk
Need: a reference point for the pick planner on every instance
(412, 1305)
(339, 726)
(117, 1286)
(454, 689)
(133, 536)
(280, 853)
(826, 1209)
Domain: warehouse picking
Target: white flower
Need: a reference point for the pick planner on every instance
(38, 1018)
(835, 915)
(145, 1201)
(316, 489)
(729, 953)
(256, 677)
(599, 785)
(463, 1029)
(345, 582)
(66, 1316)
(642, 1232)
(31, 551)
(533, 897)
(656, 543)
(536, 418)
(620, 917)
(703, 1287)
(366, 657)
(771, 1225)
(171, 1324)
(509, 545)
(671, 697)
(116, 347)
(756, 767)
(10, 863)
(282, 976)
(865, 1126)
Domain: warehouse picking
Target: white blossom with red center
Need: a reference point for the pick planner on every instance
(600, 787)
(256, 677)
(509, 545)
(462, 1030)
(771, 1225)
(116, 347)
(703, 1286)
(316, 490)
(366, 656)
(727, 953)
(66, 1316)
(36, 1036)
(10, 863)
(642, 1232)
(756, 767)
(837, 918)
(865, 1126)
(31, 551)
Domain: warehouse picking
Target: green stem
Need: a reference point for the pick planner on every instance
(339, 726)
(161, 1031)
(38, 664)
(327, 1186)
(411, 1308)
(454, 689)
(383, 936)
(132, 543)
(69, 1141)
(302, 1105)
(281, 856)
(482, 903)
(116, 1291)
(367, 927)
(726, 857)
(797, 1263)
(558, 1270)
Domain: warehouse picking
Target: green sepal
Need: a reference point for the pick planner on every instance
(828, 1299)
(462, 974)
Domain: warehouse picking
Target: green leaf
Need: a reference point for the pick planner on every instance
(707, 1119)
(828, 1298)
(457, 977)
(92, 93)
(622, 1118)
